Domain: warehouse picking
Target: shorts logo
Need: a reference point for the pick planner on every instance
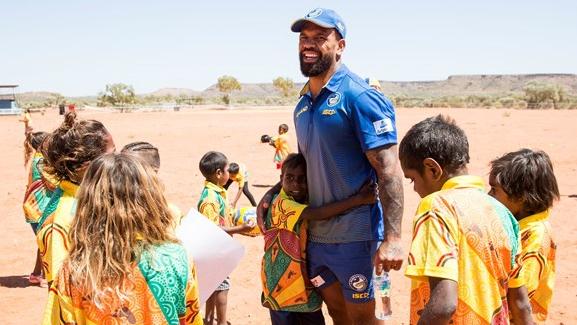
(383, 126)
(358, 282)
(333, 99)
(317, 281)
(360, 295)
(315, 13)
(329, 112)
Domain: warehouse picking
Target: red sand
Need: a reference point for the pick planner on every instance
(183, 137)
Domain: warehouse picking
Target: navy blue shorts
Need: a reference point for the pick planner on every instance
(351, 264)
(279, 317)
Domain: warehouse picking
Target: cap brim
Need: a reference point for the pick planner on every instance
(298, 25)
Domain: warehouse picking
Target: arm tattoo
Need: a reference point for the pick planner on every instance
(390, 182)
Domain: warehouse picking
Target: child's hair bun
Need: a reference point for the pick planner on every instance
(265, 138)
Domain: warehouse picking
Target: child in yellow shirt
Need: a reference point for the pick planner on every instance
(525, 183)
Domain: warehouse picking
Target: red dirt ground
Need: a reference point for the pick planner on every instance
(183, 137)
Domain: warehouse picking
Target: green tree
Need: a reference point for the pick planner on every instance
(537, 94)
(226, 85)
(118, 95)
(284, 85)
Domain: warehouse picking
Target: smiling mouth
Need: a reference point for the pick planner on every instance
(310, 56)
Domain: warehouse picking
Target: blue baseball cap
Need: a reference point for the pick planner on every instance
(325, 18)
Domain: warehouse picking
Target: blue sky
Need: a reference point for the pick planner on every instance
(77, 47)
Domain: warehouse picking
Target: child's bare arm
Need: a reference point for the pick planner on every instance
(238, 229)
(367, 195)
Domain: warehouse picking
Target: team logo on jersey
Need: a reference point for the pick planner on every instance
(383, 126)
(358, 282)
(302, 110)
(333, 99)
(329, 112)
(315, 13)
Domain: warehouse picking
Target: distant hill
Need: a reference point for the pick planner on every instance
(458, 85)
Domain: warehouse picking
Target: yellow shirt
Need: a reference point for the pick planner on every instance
(282, 147)
(241, 176)
(462, 234)
(537, 263)
(213, 204)
(52, 236)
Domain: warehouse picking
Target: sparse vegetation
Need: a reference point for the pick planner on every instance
(284, 85)
(117, 95)
(226, 85)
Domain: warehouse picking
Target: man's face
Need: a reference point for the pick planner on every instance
(318, 49)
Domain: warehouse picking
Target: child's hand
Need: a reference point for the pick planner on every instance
(369, 193)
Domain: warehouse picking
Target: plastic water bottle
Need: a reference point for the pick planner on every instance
(382, 290)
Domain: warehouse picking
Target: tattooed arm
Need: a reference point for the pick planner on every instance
(385, 162)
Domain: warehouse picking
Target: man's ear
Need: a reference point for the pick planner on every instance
(341, 47)
(432, 167)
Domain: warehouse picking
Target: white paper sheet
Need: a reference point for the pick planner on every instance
(215, 253)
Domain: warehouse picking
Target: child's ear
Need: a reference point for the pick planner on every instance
(432, 167)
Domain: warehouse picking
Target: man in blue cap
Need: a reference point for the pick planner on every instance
(346, 131)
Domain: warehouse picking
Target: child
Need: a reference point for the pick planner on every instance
(239, 174)
(214, 205)
(149, 154)
(32, 143)
(68, 152)
(281, 145)
(26, 118)
(125, 266)
(287, 290)
(525, 183)
(464, 241)
(144, 151)
(33, 166)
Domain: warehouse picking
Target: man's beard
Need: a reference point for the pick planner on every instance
(315, 69)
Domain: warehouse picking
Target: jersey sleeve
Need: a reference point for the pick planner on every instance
(374, 121)
(434, 249)
(210, 209)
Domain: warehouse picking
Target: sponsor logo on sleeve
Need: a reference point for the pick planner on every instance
(383, 126)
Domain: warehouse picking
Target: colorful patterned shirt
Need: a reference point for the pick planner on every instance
(165, 292)
(285, 282)
(53, 228)
(537, 263)
(213, 204)
(39, 190)
(462, 234)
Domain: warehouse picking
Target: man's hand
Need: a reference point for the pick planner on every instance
(389, 256)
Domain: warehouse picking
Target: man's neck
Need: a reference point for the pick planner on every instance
(317, 83)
